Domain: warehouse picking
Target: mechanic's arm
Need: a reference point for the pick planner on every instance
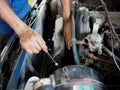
(30, 40)
(66, 22)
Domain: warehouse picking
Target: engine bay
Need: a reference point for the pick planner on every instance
(95, 46)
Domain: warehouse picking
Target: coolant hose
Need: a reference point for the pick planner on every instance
(74, 48)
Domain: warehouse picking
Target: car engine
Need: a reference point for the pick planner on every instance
(92, 63)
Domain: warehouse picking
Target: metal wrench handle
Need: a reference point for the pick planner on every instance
(56, 64)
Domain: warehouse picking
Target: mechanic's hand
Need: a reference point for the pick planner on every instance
(32, 42)
(67, 33)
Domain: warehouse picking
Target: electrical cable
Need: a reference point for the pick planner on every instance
(113, 53)
(109, 21)
(112, 30)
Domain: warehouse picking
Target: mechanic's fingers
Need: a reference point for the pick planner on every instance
(31, 49)
(68, 43)
(30, 46)
(34, 46)
(67, 34)
(36, 51)
(42, 43)
(32, 42)
(68, 40)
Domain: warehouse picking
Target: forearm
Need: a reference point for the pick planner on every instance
(66, 9)
(10, 17)
(66, 22)
(30, 40)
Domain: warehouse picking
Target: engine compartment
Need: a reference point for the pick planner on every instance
(95, 43)
(92, 45)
